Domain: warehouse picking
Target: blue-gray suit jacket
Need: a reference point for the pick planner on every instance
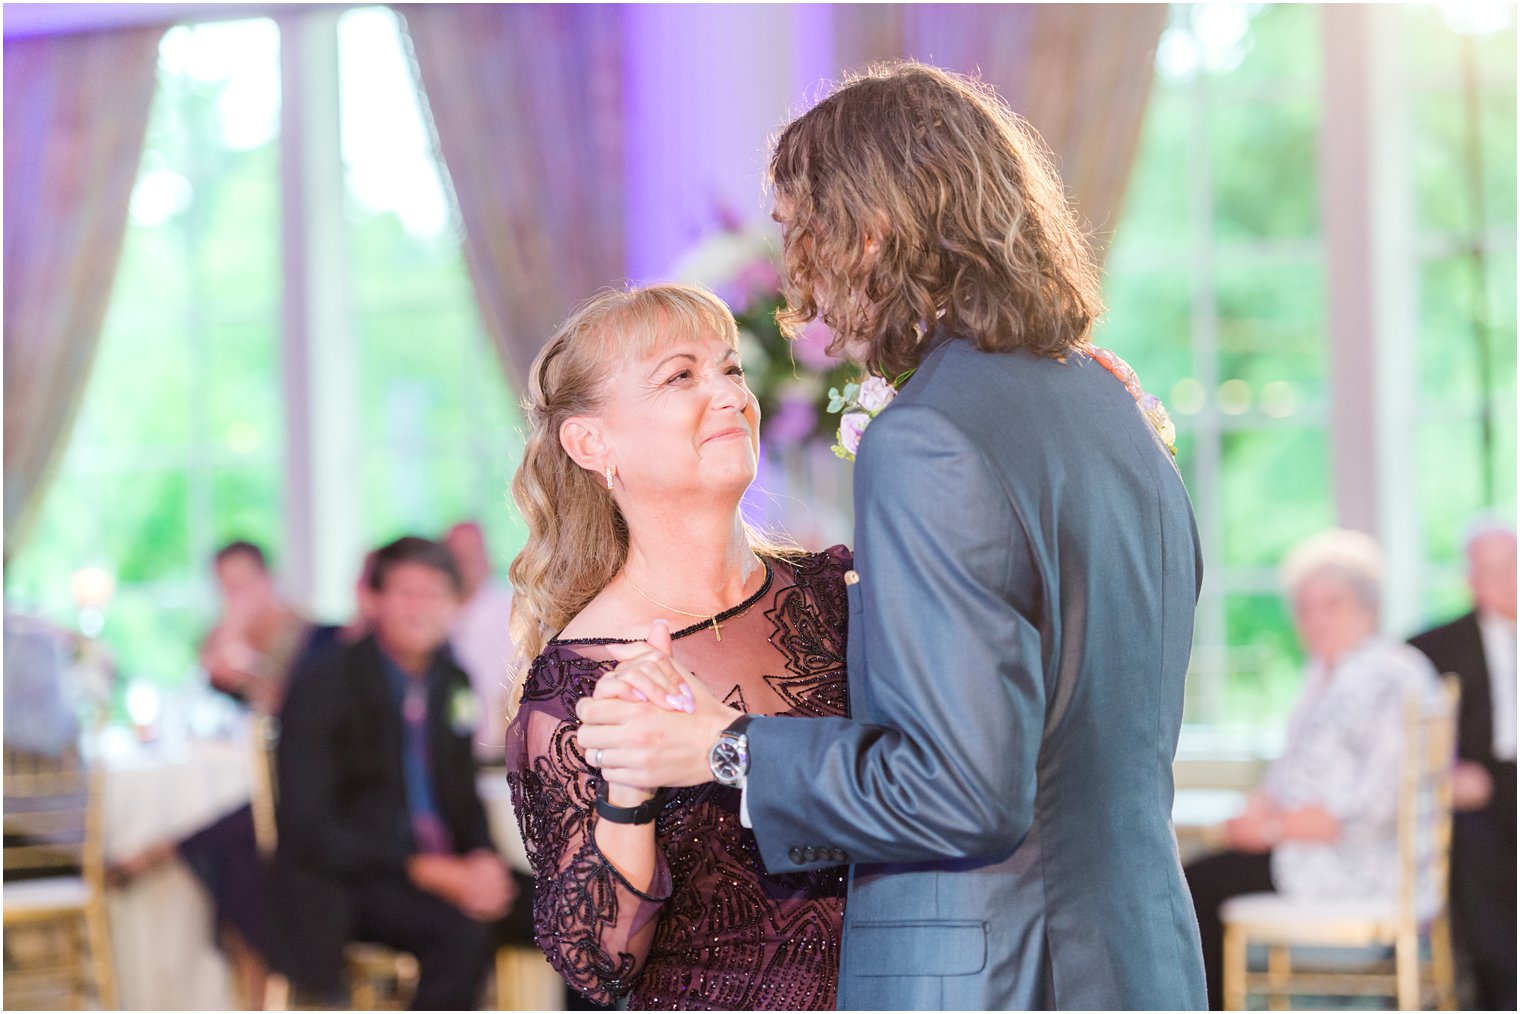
(1018, 639)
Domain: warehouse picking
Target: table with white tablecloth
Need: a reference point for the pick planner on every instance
(162, 933)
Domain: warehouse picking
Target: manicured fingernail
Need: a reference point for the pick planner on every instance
(676, 701)
(639, 694)
(686, 692)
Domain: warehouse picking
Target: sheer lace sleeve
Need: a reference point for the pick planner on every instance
(594, 926)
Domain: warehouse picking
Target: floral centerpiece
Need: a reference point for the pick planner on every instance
(792, 380)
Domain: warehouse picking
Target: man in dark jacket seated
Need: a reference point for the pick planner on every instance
(382, 835)
(1480, 648)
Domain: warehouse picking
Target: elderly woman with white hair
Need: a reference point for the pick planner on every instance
(1323, 822)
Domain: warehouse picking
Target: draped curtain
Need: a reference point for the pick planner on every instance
(1079, 73)
(76, 115)
(526, 106)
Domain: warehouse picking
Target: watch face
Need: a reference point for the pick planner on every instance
(729, 761)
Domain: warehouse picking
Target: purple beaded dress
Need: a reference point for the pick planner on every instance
(714, 930)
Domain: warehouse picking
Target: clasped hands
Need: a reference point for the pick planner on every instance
(650, 724)
(476, 883)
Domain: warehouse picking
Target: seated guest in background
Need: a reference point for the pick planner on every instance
(480, 638)
(1323, 824)
(224, 855)
(258, 640)
(382, 835)
(1480, 648)
(257, 648)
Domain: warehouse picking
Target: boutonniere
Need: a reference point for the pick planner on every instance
(1150, 406)
(861, 403)
(464, 711)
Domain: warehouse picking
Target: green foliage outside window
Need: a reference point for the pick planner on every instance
(1217, 271)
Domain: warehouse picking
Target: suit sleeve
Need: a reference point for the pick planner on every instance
(946, 607)
(308, 815)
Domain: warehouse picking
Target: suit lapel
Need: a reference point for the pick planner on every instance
(1478, 711)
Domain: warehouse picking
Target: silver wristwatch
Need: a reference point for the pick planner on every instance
(729, 757)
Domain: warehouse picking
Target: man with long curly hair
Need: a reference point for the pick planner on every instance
(1021, 604)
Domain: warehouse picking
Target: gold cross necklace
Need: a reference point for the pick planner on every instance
(709, 617)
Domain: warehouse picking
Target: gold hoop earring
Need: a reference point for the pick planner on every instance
(609, 476)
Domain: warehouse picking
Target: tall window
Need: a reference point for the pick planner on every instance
(179, 442)
(441, 437)
(1216, 293)
(180, 445)
(1462, 148)
(1216, 298)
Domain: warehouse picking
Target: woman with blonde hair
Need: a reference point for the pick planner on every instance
(643, 438)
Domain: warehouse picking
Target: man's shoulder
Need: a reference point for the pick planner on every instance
(1437, 639)
(335, 673)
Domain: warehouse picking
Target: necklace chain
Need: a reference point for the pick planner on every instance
(709, 617)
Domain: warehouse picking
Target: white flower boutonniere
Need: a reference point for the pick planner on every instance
(464, 711)
(861, 403)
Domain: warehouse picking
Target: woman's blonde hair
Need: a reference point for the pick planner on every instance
(577, 536)
(972, 224)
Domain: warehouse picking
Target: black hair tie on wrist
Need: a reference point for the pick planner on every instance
(644, 813)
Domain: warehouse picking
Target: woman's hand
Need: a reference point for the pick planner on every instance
(648, 674)
(1252, 831)
(663, 740)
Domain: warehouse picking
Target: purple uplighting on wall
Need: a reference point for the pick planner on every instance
(702, 97)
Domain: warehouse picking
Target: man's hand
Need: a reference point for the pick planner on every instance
(648, 744)
(477, 884)
(1471, 786)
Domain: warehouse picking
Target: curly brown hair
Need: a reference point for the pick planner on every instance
(913, 195)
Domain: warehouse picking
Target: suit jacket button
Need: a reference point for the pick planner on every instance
(795, 854)
(810, 854)
(839, 855)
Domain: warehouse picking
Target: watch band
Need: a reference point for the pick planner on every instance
(644, 813)
(738, 725)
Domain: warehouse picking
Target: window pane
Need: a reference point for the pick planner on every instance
(438, 420)
(247, 507)
(1280, 46)
(1265, 168)
(1265, 673)
(1451, 483)
(186, 372)
(1157, 195)
(1272, 330)
(1275, 492)
(1149, 321)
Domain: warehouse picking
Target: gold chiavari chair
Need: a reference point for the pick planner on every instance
(1408, 977)
(53, 825)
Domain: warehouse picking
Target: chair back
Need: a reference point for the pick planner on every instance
(264, 793)
(1424, 814)
(53, 815)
